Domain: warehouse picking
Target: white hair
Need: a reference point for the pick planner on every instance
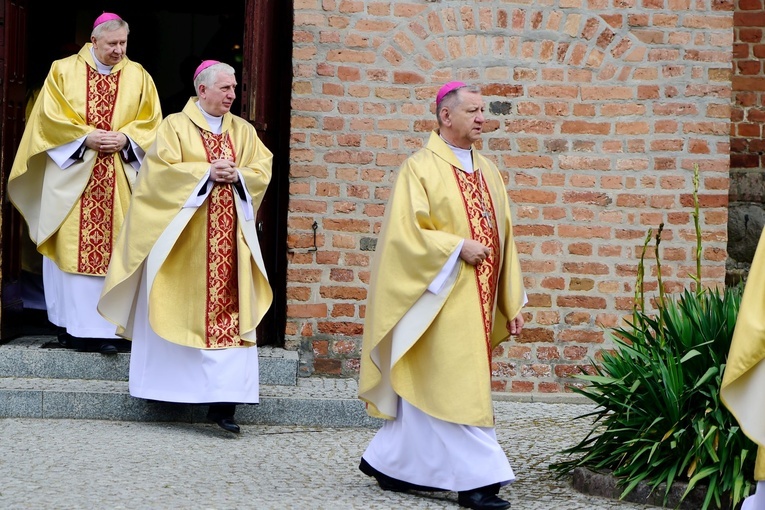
(108, 26)
(207, 76)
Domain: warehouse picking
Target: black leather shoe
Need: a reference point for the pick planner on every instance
(64, 340)
(228, 424)
(484, 498)
(78, 344)
(107, 348)
(120, 344)
(388, 483)
(223, 415)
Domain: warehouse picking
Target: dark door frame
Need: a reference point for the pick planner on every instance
(265, 101)
(13, 83)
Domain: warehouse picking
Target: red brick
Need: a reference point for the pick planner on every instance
(586, 302)
(582, 127)
(327, 366)
(340, 328)
(522, 386)
(307, 310)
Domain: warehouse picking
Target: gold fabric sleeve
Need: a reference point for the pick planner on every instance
(743, 382)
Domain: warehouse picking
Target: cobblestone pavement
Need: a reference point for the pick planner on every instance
(73, 464)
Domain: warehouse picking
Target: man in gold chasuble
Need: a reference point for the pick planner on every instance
(446, 288)
(744, 378)
(95, 116)
(187, 281)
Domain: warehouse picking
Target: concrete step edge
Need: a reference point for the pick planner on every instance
(325, 403)
(29, 357)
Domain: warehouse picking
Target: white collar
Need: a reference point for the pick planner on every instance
(464, 155)
(215, 123)
(102, 68)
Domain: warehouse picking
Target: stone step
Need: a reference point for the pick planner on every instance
(40, 379)
(310, 402)
(42, 357)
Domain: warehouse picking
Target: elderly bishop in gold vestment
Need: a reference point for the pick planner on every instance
(95, 116)
(446, 289)
(187, 281)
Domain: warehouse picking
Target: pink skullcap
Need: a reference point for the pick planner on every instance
(204, 65)
(448, 88)
(107, 16)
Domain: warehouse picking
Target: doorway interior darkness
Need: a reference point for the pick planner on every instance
(170, 39)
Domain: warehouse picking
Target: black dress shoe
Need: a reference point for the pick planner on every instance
(228, 424)
(123, 345)
(77, 343)
(107, 348)
(388, 483)
(223, 415)
(483, 498)
(64, 340)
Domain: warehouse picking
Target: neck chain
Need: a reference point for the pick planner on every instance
(483, 193)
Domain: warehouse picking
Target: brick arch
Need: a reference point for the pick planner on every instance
(525, 35)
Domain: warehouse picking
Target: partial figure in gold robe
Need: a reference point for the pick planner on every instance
(743, 384)
(187, 283)
(95, 116)
(445, 290)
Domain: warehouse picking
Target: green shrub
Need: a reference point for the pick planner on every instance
(659, 417)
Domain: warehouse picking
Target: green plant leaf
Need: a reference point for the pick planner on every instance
(659, 417)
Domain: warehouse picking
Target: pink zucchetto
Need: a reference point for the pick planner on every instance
(204, 65)
(448, 88)
(107, 16)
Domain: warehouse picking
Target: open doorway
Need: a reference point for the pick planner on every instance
(169, 39)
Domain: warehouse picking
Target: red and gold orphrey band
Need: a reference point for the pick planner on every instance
(480, 213)
(222, 310)
(97, 201)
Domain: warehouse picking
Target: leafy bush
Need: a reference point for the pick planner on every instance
(659, 417)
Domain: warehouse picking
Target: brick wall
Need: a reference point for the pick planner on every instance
(747, 144)
(598, 111)
(747, 158)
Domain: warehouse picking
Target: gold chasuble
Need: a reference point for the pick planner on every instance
(434, 350)
(201, 264)
(75, 214)
(743, 382)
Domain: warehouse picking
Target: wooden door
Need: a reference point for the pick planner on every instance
(13, 66)
(265, 101)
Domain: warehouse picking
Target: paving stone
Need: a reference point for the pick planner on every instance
(74, 464)
(85, 443)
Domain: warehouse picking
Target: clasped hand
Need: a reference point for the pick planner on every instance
(223, 171)
(106, 141)
(474, 252)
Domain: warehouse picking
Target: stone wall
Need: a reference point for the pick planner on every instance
(597, 113)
